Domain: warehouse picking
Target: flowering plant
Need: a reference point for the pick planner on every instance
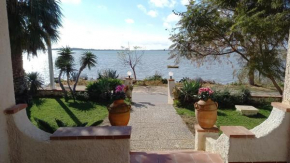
(205, 93)
(119, 93)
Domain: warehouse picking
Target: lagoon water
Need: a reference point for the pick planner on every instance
(152, 61)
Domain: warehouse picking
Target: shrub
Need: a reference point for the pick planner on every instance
(101, 90)
(227, 100)
(82, 96)
(35, 82)
(156, 78)
(108, 73)
(188, 92)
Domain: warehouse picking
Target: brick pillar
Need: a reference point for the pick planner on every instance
(171, 85)
(7, 98)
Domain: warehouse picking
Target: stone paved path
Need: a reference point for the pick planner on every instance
(156, 126)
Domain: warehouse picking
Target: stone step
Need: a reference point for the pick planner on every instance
(186, 156)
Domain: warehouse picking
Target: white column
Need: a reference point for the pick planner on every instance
(7, 98)
(171, 85)
(51, 74)
(128, 82)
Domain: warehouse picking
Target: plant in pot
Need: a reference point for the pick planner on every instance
(119, 111)
(205, 108)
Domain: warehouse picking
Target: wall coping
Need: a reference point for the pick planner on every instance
(199, 129)
(281, 106)
(99, 132)
(14, 109)
(237, 132)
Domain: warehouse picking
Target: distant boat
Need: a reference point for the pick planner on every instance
(175, 66)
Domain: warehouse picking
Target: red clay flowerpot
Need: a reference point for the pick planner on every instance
(206, 113)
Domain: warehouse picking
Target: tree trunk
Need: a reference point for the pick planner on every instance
(20, 84)
(251, 76)
(72, 93)
(61, 85)
(134, 73)
(76, 82)
(275, 84)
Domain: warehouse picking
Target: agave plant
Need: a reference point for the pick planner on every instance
(35, 82)
(189, 90)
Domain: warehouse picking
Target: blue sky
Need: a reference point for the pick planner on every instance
(110, 24)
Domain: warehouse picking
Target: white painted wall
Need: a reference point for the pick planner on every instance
(171, 85)
(6, 81)
(271, 142)
(31, 145)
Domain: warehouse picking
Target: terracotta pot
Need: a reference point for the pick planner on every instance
(206, 113)
(119, 113)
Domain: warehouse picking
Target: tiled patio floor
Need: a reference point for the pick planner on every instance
(175, 157)
(156, 126)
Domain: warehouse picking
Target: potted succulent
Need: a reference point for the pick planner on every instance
(205, 108)
(119, 111)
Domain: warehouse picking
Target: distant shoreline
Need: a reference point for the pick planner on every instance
(109, 49)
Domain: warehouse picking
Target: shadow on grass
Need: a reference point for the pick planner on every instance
(221, 114)
(69, 112)
(38, 101)
(259, 115)
(84, 106)
(97, 123)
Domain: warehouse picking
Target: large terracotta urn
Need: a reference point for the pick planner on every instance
(119, 113)
(206, 113)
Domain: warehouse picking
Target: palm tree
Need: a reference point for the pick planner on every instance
(32, 24)
(35, 82)
(89, 60)
(64, 62)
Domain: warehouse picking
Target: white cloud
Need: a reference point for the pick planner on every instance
(142, 8)
(184, 2)
(163, 3)
(102, 7)
(129, 21)
(71, 1)
(170, 20)
(150, 13)
(111, 37)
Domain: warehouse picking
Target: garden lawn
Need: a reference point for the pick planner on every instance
(71, 113)
(226, 117)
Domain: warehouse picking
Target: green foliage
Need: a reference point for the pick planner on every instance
(227, 100)
(102, 89)
(188, 92)
(212, 28)
(82, 96)
(108, 73)
(35, 82)
(88, 59)
(157, 77)
(32, 24)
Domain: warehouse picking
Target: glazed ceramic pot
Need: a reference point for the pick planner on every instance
(206, 113)
(119, 113)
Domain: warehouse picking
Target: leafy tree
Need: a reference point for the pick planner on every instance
(32, 25)
(256, 30)
(88, 60)
(131, 58)
(64, 62)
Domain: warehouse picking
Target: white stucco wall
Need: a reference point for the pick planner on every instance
(32, 145)
(6, 81)
(271, 142)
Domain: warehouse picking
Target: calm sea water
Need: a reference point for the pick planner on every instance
(152, 61)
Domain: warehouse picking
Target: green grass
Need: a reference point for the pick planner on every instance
(228, 117)
(72, 114)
